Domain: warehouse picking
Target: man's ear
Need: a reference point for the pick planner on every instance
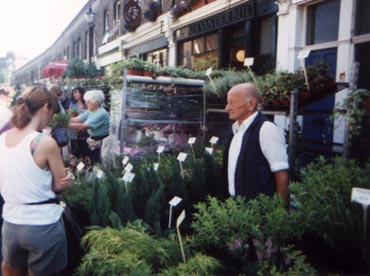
(253, 103)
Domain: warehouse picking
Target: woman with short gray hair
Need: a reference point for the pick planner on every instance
(95, 120)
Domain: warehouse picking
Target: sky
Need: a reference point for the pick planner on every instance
(29, 27)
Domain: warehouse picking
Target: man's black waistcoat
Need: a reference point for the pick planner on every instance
(252, 174)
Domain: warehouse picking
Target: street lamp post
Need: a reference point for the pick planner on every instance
(90, 17)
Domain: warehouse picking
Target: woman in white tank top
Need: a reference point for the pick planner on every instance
(32, 175)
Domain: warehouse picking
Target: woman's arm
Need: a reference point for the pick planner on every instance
(48, 155)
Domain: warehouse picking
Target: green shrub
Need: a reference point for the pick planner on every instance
(130, 251)
(323, 200)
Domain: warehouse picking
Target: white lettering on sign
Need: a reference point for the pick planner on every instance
(361, 196)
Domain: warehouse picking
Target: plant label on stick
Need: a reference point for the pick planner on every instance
(156, 166)
(361, 196)
(182, 156)
(160, 149)
(209, 150)
(80, 166)
(248, 62)
(213, 140)
(304, 54)
(208, 74)
(209, 71)
(125, 160)
(192, 140)
(179, 220)
(128, 177)
(173, 202)
(129, 167)
(99, 174)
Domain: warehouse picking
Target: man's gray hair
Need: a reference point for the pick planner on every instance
(96, 96)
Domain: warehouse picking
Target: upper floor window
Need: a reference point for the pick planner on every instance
(106, 21)
(323, 22)
(362, 25)
(116, 10)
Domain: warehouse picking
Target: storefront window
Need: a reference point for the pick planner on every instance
(211, 42)
(362, 17)
(266, 36)
(200, 53)
(323, 22)
(198, 46)
(158, 57)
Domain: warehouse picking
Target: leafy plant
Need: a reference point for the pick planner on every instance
(60, 120)
(129, 251)
(353, 107)
(323, 201)
(224, 81)
(153, 11)
(78, 69)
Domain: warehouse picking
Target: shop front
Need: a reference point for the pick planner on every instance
(225, 39)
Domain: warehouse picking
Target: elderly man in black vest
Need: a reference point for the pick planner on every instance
(255, 158)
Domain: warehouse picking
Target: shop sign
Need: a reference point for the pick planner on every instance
(216, 22)
(132, 13)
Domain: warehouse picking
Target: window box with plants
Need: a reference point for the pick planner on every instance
(153, 11)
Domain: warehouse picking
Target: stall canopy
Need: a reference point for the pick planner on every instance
(54, 69)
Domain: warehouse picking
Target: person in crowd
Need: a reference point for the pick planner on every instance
(32, 175)
(79, 147)
(255, 158)
(58, 93)
(95, 120)
(6, 98)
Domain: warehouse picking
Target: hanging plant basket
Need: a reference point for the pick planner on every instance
(153, 11)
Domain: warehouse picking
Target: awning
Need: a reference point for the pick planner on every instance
(54, 69)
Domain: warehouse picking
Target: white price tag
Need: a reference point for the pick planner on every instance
(175, 200)
(192, 140)
(129, 167)
(361, 196)
(248, 61)
(214, 140)
(80, 166)
(304, 54)
(160, 149)
(182, 156)
(209, 150)
(99, 174)
(156, 166)
(128, 177)
(125, 160)
(180, 218)
(209, 71)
